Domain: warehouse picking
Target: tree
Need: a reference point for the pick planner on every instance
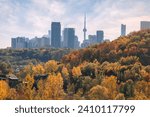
(129, 60)
(111, 85)
(5, 68)
(98, 93)
(65, 72)
(38, 69)
(4, 90)
(76, 72)
(52, 88)
(51, 66)
(142, 90)
(120, 96)
(127, 89)
(26, 89)
(13, 95)
(145, 75)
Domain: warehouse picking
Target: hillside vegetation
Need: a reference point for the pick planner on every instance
(11, 59)
(116, 70)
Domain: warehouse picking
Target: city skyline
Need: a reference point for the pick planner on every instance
(32, 18)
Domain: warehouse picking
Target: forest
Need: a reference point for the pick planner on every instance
(117, 70)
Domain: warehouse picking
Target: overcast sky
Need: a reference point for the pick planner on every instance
(32, 18)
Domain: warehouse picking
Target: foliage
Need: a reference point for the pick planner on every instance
(4, 90)
(116, 70)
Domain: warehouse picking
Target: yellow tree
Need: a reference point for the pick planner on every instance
(51, 66)
(4, 90)
(76, 72)
(13, 95)
(110, 84)
(27, 90)
(142, 90)
(52, 88)
(38, 69)
(65, 72)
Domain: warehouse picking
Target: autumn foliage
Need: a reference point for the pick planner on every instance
(117, 70)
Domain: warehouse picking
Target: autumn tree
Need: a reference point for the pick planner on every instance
(52, 88)
(65, 75)
(98, 93)
(76, 72)
(65, 72)
(142, 90)
(111, 85)
(13, 94)
(5, 68)
(120, 96)
(129, 60)
(26, 89)
(51, 66)
(38, 69)
(127, 89)
(4, 90)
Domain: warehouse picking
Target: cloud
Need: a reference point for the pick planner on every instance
(33, 17)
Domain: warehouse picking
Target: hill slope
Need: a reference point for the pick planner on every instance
(135, 44)
(18, 58)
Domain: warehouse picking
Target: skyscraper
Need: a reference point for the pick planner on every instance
(100, 36)
(76, 43)
(69, 37)
(49, 36)
(56, 34)
(123, 30)
(145, 25)
(84, 29)
(65, 38)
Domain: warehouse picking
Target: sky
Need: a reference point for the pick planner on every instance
(30, 18)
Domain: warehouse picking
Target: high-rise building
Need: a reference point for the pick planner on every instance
(65, 38)
(92, 39)
(145, 25)
(100, 36)
(49, 36)
(56, 34)
(123, 30)
(69, 38)
(76, 43)
(19, 42)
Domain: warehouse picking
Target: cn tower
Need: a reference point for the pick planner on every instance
(84, 29)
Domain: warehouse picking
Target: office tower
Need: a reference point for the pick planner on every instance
(123, 30)
(76, 43)
(100, 36)
(145, 25)
(49, 36)
(19, 42)
(65, 38)
(84, 29)
(92, 39)
(56, 34)
(69, 37)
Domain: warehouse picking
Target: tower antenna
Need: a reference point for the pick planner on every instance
(84, 29)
